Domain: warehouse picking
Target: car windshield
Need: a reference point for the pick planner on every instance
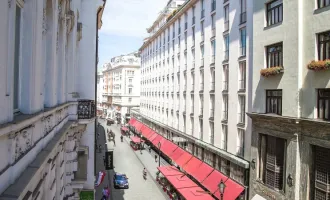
(120, 177)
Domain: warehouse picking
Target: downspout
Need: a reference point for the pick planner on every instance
(96, 61)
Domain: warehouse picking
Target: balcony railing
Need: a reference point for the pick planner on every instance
(86, 109)
(243, 17)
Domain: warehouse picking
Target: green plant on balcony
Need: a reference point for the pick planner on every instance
(271, 71)
(319, 65)
(171, 15)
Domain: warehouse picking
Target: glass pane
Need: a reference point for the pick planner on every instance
(17, 52)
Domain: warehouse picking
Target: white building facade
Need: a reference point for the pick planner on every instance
(122, 87)
(100, 88)
(291, 100)
(195, 88)
(47, 97)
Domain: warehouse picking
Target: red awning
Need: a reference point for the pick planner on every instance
(136, 139)
(124, 128)
(233, 190)
(169, 171)
(157, 139)
(176, 153)
(137, 125)
(131, 121)
(183, 159)
(203, 171)
(180, 181)
(147, 132)
(168, 147)
(192, 165)
(152, 136)
(195, 193)
(213, 180)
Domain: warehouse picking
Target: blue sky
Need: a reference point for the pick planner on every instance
(124, 26)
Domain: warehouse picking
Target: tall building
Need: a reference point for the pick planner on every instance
(47, 59)
(121, 86)
(291, 100)
(195, 88)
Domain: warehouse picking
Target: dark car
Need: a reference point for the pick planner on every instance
(120, 181)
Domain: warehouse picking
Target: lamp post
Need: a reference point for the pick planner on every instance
(222, 187)
(159, 145)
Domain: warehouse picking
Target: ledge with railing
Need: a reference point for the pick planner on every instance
(86, 109)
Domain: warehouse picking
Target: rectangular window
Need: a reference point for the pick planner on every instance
(213, 21)
(212, 79)
(130, 90)
(202, 9)
(274, 12)
(193, 36)
(200, 129)
(212, 105)
(322, 173)
(202, 28)
(193, 15)
(224, 137)
(213, 48)
(242, 76)
(240, 142)
(324, 45)
(323, 3)
(272, 158)
(226, 18)
(243, 41)
(241, 111)
(243, 11)
(213, 5)
(226, 53)
(16, 84)
(225, 77)
(323, 105)
(212, 133)
(225, 107)
(191, 125)
(274, 101)
(275, 55)
(129, 99)
(202, 51)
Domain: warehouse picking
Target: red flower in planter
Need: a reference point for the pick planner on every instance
(319, 65)
(271, 71)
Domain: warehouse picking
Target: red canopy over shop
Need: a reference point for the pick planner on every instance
(192, 165)
(195, 193)
(176, 153)
(131, 121)
(183, 159)
(168, 147)
(203, 171)
(124, 128)
(136, 139)
(158, 139)
(169, 171)
(233, 190)
(181, 181)
(152, 136)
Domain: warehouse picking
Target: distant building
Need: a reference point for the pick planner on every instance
(121, 90)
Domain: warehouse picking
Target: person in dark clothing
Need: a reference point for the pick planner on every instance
(156, 158)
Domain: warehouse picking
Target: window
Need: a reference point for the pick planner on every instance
(226, 54)
(274, 101)
(243, 11)
(322, 173)
(323, 105)
(274, 12)
(193, 14)
(212, 79)
(243, 41)
(240, 142)
(242, 76)
(200, 129)
(129, 90)
(179, 26)
(130, 80)
(17, 52)
(212, 105)
(213, 5)
(193, 36)
(226, 16)
(202, 51)
(323, 3)
(202, 29)
(224, 137)
(202, 9)
(275, 55)
(201, 103)
(225, 107)
(225, 167)
(241, 111)
(225, 77)
(191, 125)
(212, 133)
(272, 159)
(129, 99)
(213, 21)
(324, 45)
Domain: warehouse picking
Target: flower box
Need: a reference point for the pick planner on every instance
(319, 65)
(272, 71)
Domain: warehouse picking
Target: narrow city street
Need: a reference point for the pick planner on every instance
(131, 163)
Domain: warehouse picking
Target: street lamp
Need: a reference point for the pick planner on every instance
(222, 187)
(159, 145)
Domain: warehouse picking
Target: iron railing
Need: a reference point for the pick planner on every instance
(86, 109)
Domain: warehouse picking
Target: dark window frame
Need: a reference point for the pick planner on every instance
(321, 173)
(326, 3)
(270, 98)
(272, 11)
(323, 95)
(274, 58)
(325, 55)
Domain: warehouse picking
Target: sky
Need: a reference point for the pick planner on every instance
(124, 24)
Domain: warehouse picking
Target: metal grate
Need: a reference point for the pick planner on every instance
(322, 173)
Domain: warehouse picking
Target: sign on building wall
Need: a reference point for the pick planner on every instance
(108, 160)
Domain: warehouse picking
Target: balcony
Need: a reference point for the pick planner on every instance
(86, 109)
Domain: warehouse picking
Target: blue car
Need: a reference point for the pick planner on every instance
(120, 181)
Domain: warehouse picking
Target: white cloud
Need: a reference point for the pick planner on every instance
(130, 17)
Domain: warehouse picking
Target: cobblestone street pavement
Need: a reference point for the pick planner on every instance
(127, 161)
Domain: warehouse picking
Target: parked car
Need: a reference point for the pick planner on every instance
(120, 181)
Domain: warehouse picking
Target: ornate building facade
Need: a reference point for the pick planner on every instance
(47, 97)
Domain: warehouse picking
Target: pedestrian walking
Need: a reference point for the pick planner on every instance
(104, 161)
(99, 148)
(156, 158)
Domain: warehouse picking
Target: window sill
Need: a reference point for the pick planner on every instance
(241, 58)
(240, 125)
(241, 91)
(213, 11)
(224, 62)
(273, 26)
(224, 121)
(320, 10)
